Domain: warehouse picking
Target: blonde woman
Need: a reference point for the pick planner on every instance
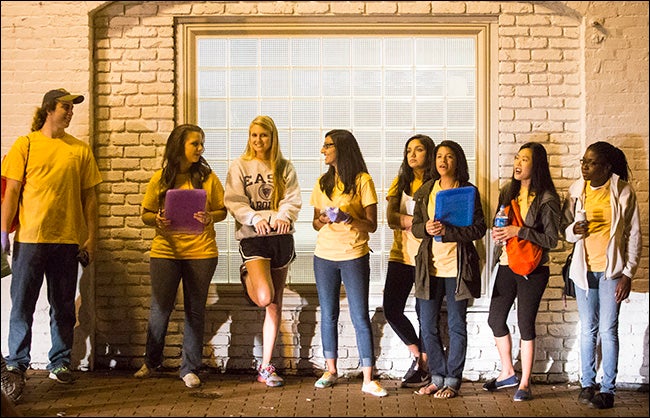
(263, 195)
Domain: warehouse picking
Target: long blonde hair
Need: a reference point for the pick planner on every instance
(278, 162)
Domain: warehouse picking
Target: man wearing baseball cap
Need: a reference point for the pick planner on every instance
(51, 180)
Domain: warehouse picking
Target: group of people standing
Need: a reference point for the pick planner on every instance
(436, 260)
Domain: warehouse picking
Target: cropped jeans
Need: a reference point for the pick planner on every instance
(446, 368)
(355, 275)
(598, 312)
(58, 264)
(166, 275)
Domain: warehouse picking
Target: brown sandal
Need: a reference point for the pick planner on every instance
(446, 392)
(427, 390)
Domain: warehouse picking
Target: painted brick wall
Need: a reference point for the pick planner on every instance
(569, 73)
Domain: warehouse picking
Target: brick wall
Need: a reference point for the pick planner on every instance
(569, 73)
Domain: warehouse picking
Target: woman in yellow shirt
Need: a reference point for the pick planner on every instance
(179, 256)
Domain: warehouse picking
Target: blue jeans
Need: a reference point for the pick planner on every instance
(445, 369)
(58, 263)
(400, 278)
(166, 274)
(355, 275)
(598, 312)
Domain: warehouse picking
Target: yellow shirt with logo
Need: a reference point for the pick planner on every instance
(338, 241)
(58, 169)
(180, 245)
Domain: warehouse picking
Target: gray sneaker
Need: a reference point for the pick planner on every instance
(13, 382)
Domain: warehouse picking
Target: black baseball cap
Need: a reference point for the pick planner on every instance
(63, 95)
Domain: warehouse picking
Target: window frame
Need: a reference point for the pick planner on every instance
(482, 29)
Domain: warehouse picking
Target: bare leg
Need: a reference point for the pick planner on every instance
(527, 358)
(273, 315)
(504, 346)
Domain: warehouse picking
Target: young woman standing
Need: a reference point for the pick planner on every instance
(605, 259)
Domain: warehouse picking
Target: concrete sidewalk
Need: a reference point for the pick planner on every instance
(118, 394)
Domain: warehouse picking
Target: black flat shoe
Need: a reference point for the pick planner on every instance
(602, 401)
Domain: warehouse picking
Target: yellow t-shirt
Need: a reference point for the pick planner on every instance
(338, 241)
(405, 244)
(179, 245)
(58, 169)
(599, 215)
(444, 262)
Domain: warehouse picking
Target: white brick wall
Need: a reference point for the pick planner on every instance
(562, 81)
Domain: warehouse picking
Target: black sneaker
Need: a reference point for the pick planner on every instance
(415, 377)
(13, 382)
(587, 394)
(62, 374)
(602, 401)
(242, 276)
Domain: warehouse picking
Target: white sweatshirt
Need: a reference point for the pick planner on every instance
(249, 186)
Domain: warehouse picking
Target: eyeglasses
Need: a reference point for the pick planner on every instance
(589, 163)
(329, 145)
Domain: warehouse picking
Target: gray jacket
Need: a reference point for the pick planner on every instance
(468, 284)
(541, 226)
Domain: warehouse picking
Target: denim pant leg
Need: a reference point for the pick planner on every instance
(197, 275)
(457, 324)
(598, 312)
(356, 279)
(165, 277)
(399, 283)
(31, 262)
(328, 286)
(429, 318)
(61, 275)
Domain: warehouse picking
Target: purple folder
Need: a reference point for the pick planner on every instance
(180, 207)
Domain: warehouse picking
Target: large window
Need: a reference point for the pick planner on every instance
(384, 87)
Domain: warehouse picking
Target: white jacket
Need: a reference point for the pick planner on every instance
(624, 246)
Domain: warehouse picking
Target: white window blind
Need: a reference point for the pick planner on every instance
(382, 88)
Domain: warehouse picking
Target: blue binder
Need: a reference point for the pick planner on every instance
(455, 207)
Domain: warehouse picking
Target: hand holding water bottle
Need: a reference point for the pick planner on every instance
(500, 221)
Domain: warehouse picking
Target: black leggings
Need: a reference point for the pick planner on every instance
(508, 286)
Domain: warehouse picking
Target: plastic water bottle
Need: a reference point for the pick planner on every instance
(501, 220)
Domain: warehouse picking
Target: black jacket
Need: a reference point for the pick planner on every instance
(469, 271)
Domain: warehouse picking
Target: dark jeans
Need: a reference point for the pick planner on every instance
(166, 275)
(446, 368)
(399, 283)
(31, 263)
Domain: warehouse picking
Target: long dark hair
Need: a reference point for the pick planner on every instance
(462, 168)
(349, 163)
(540, 179)
(611, 157)
(174, 153)
(41, 114)
(405, 174)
